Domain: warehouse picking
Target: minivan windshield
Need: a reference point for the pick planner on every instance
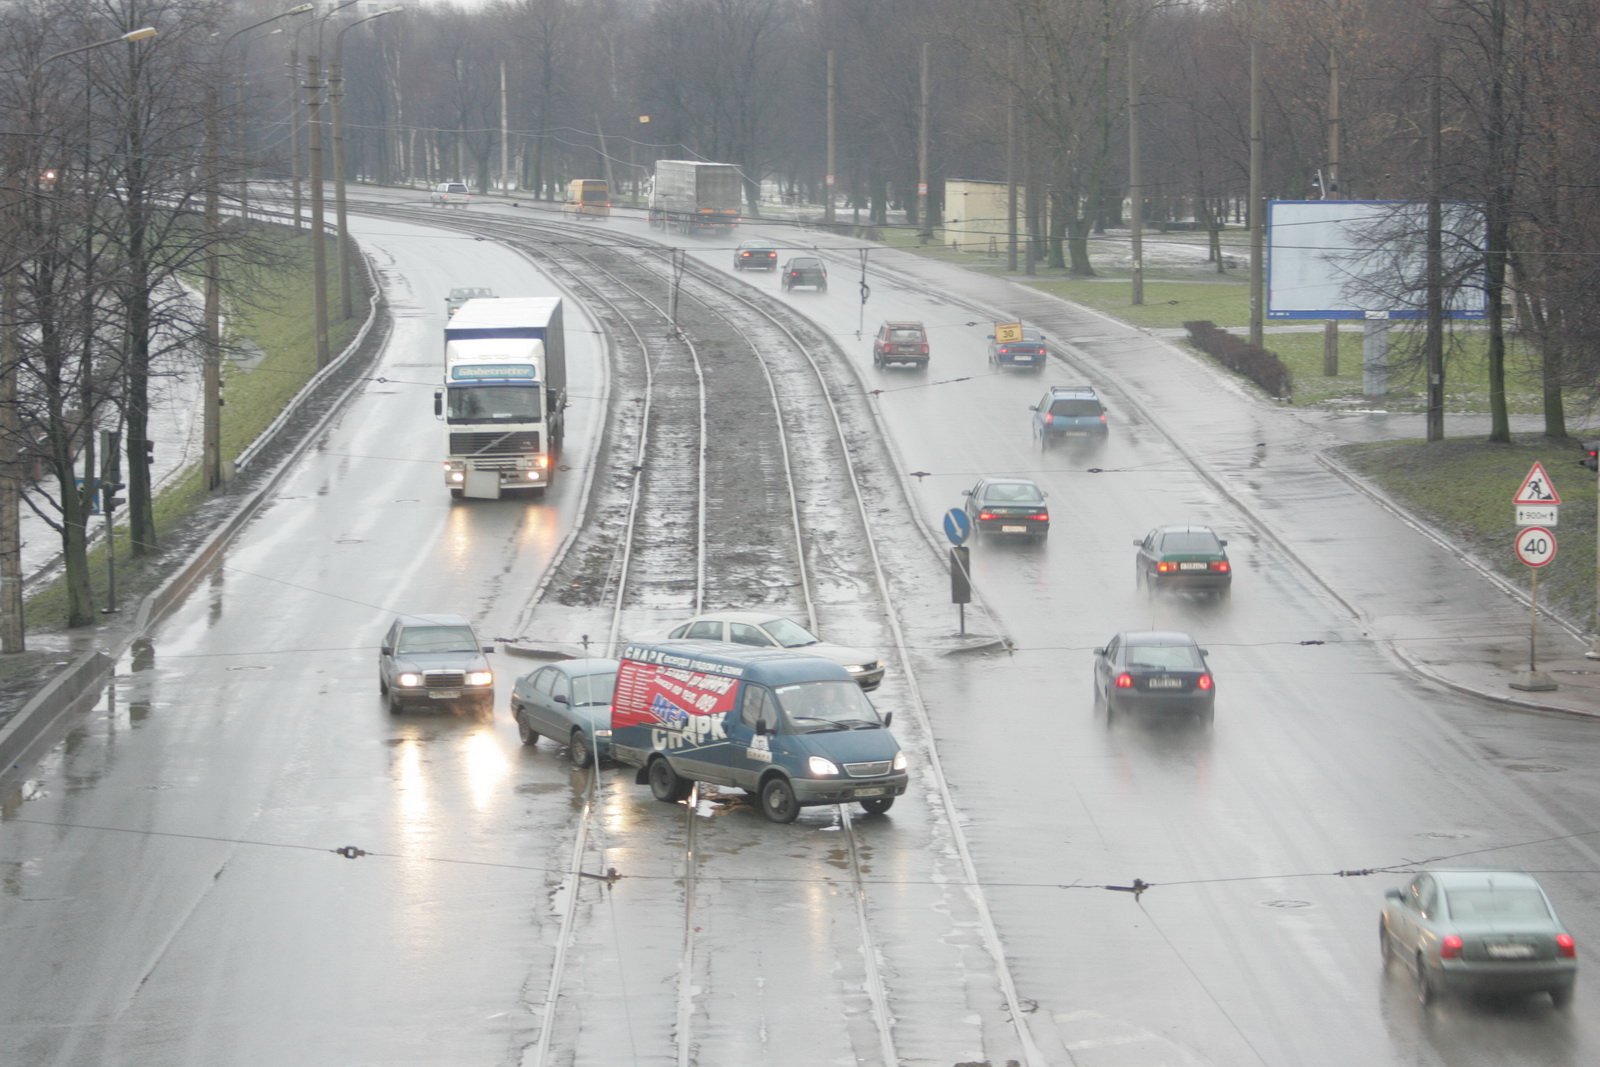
(832, 705)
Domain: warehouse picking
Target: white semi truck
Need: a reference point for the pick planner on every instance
(505, 387)
(689, 195)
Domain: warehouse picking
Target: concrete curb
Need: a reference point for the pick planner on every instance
(18, 738)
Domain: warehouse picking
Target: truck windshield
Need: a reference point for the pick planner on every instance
(814, 706)
(494, 403)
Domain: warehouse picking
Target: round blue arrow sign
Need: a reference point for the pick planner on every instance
(957, 527)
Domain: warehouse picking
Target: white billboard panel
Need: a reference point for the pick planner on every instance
(1355, 259)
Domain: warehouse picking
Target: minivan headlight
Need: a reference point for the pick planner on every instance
(818, 767)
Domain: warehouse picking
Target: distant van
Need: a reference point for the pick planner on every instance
(588, 198)
(791, 729)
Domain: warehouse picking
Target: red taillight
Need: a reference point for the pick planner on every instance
(1220, 565)
(744, 255)
(924, 349)
(1566, 948)
(985, 516)
(1102, 418)
(1004, 351)
(1049, 420)
(1450, 947)
(1043, 516)
(1124, 680)
(1204, 684)
(1165, 568)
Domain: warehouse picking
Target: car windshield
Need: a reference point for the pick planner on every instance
(789, 634)
(1487, 902)
(1190, 541)
(1164, 658)
(1013, 493)
(437, 639)
(814, 706)
(588, 689)
(1075, 406)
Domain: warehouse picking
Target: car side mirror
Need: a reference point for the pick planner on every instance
(1099, 651)
(1394, 894)
(763, 728)
(1033, 407)
(561, 698)
(888, 719)
(966, 492)
(1223, 542)
(438, 404)
(1204, 652)
(385, 650)
(488, 649)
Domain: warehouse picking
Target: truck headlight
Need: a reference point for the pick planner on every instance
(899, 761)
(818, 767)
(480, 677)
(408, 680)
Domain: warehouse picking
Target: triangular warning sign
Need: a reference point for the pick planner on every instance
(1536, 488)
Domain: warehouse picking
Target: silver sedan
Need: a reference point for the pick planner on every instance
(1477, 931)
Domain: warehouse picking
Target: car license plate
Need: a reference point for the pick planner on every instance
(444, 694)
(1191, 566)
(1165, 683)
(1022, 359)
(1510, 952)
(1013, 529)
(871, 791)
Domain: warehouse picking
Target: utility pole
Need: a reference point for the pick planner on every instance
(1257, 221)
(1331, 190)
(827, 182)
(336, 83)
(1433, 342)
(926, 230)
(319, 253)
(505, 135)
(1011, 161)
(1135, 181)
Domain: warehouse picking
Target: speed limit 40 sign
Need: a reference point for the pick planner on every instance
(1535, 546)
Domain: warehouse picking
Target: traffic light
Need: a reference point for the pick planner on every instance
(109, 500)
(149, 453)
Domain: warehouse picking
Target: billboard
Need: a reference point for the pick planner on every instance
(1360, 259)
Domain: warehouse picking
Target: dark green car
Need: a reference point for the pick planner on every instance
(1183, 557)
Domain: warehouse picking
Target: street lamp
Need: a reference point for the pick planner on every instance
(319, 254)
(211, 448)
(336, 88)
(13, 636)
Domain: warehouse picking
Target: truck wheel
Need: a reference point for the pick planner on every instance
(665, 785)
(777, 800)
(877, 805)
(456, 494)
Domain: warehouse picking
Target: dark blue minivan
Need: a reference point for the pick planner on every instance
(791, 729)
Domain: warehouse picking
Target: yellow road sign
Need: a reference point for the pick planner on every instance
(1007, 331)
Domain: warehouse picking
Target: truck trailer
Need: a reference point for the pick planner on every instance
(687, 195)
(505, 387)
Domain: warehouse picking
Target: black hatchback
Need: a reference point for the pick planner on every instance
(805, 270)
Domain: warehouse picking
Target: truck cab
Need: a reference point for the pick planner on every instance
(791, 729)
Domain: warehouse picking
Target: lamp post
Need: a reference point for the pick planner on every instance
(211, 448)
(336, 89)
(13, 636)
(319, 253)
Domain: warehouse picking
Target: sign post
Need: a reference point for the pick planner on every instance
(1536, 547)
(957, 528)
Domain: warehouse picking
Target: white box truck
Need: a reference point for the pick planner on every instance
(688, 195)
(505, 387)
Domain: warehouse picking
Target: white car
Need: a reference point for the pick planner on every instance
(761, 629)
(451, 194)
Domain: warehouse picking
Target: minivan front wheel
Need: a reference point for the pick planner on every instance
(877, 805)
(778, 802)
